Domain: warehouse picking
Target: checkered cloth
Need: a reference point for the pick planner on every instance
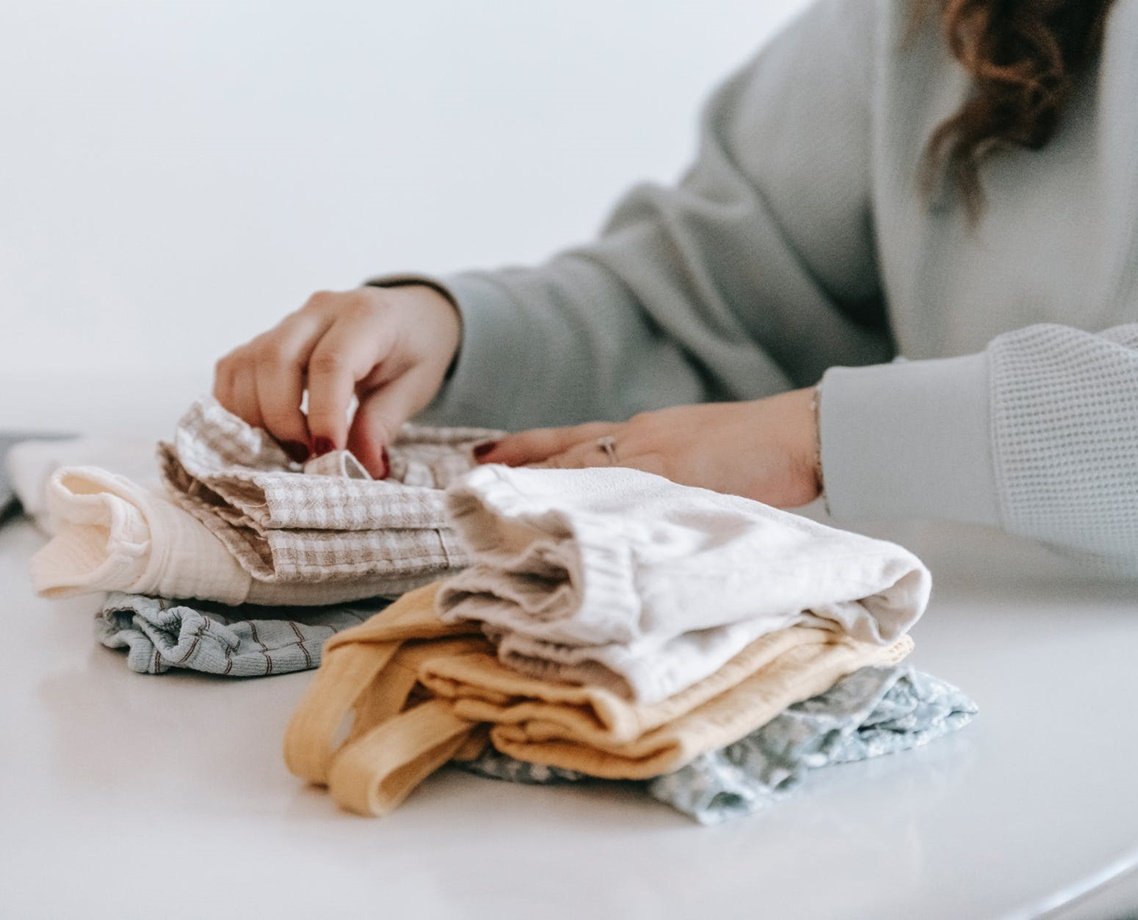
(325, 521)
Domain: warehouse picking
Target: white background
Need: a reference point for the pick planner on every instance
(175, 176)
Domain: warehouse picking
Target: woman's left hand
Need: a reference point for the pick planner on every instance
(766, 449)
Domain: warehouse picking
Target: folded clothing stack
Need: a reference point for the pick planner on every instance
(423, 691)
(613, 624)
(241, 523)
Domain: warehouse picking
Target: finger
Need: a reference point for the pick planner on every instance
(378, 419)
(224, 382)
(538, 444)
(580, 456)
(279, 360)
(585, 458)
(345, 354)
(243, 396)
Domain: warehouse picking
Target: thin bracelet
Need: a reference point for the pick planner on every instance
(815, 407)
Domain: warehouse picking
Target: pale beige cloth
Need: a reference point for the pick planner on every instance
(254, 528)
(112, 534)
(621, 578)
(420, 692)
(329, 521)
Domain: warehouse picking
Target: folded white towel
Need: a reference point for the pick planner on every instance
(113, 534)
(619, 577)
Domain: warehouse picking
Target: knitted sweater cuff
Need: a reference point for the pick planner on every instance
(911, 439)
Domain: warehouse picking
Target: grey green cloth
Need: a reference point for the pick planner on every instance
(871, 712)
(246, 641)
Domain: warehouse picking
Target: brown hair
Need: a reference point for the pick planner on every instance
(1024, 57)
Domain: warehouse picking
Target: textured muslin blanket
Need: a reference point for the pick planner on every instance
(868, 713)
(250, 641)
(378, 670)
(112, 534)
(255, 528)
(619, 578)
(328, 521)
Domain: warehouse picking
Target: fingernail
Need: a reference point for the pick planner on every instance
(297, 452)
(322, 446)
(386, 463)
(482, 449)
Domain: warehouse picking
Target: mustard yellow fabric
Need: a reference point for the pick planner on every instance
(398, 696)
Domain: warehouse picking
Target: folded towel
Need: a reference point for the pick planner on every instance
(396, 739)
(241, 523)
(623, 579)
(328, 520)
(112, 534)
(249, 641)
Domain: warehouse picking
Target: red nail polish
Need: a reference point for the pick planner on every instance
(322, 446)
(296, 451)
(386, 463)
(483, 449)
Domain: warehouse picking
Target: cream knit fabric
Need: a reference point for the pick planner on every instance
(623, 579)
(414, 705)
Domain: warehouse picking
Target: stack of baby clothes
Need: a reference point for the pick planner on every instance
(616, 625)
(242, 562)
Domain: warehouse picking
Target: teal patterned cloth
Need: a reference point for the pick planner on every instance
(871, 712)
(246, 641)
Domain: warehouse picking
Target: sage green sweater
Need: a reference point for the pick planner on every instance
(798, 248)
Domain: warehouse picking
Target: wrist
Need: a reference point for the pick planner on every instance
(423, 299)
(805, 442)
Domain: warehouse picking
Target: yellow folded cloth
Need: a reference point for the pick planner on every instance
(398, 696)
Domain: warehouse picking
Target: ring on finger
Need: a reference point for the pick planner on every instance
(607, 444)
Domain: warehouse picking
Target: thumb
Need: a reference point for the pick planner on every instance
(377, 421)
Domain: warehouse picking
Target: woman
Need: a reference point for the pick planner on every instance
(957, 185)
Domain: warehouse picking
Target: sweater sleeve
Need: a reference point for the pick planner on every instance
(754, 273)
(1037, 434)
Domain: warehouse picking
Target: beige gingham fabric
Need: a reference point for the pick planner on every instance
(325, 521)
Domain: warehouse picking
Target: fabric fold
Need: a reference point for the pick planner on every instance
(325, 521)
(624, 579)
(112, 534)
(240, 523)
(376, 675)
(162, 634)
(870, 713)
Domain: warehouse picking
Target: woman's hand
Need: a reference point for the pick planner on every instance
(766, 449)
(390, 347)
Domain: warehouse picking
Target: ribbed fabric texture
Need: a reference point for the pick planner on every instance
(1065, 426)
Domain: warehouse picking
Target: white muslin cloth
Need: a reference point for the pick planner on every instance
(114, 534)
(625, 579)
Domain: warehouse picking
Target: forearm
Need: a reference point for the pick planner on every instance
(1037, 435)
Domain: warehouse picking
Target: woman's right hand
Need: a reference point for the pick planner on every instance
(390, 347)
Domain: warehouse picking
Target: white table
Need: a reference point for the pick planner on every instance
(132, 796)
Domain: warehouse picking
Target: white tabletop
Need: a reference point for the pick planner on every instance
(137, 796)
